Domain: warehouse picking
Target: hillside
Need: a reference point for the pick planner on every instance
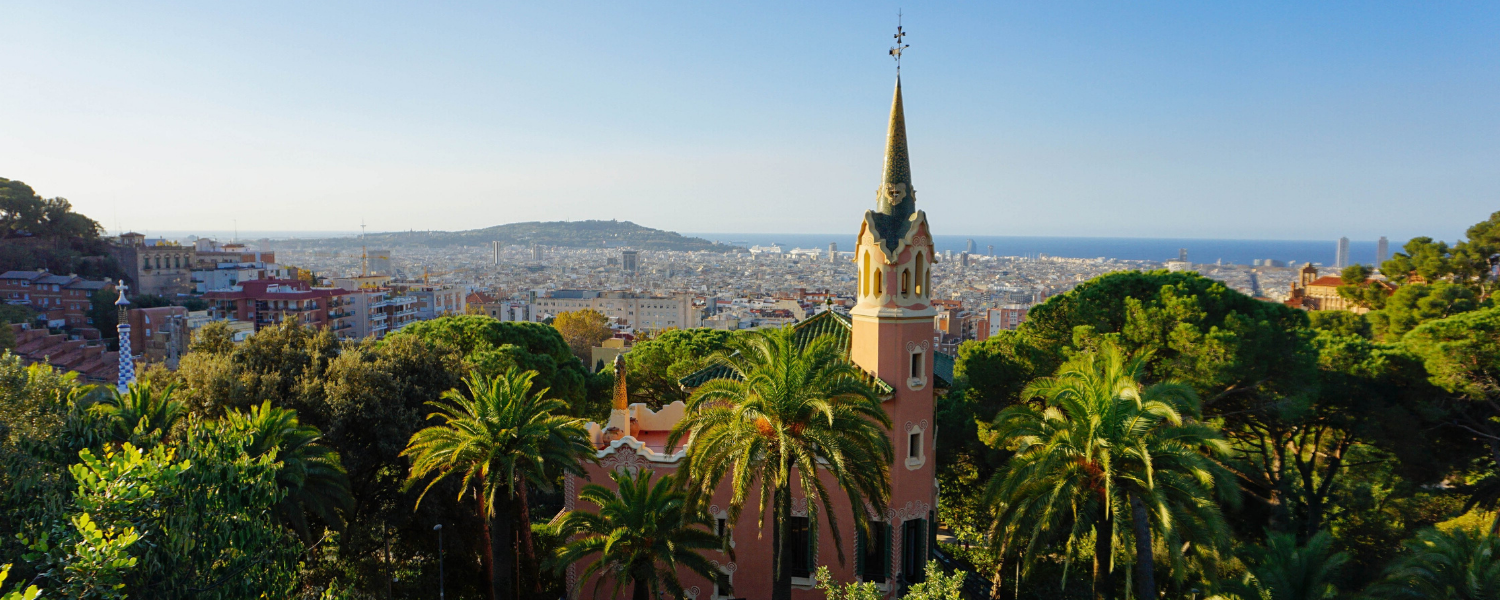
(569, 234)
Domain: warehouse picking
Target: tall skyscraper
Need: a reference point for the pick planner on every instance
(1382, 251)
(992, 249)
(1341, 260)
(833, 251)
(630, 260)
(1182, 254)
(971, 248)
(496, 243)
(536, 253)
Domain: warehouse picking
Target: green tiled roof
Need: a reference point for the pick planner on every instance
(821, 324)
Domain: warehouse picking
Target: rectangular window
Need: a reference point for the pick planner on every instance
(798, 548)
(916, 365)
(914, 445)
(876, 553)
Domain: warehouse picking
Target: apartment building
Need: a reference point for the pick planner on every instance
(160, 334)
(63, 299)
(267, 302)
(632, 310)
(155, 266)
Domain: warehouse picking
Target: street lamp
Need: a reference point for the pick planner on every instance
(439, 528)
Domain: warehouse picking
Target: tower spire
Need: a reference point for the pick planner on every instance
(896, 199)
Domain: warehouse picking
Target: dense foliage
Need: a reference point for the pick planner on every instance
(45, 233)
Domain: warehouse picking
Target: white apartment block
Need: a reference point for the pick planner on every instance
(636, 312)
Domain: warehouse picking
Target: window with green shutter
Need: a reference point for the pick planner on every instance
(914, 550)
(873, 555)
(799, 548)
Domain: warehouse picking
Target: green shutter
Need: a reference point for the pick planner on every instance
(859, 552)
(921, 566)
(812, 548)
(886, 574)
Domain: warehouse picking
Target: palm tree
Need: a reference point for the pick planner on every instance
(1285, 571)
(788, 408)
(143, 415)
(1460, 564)
(500, 437)
(642, 532)
(1103, 442)
(311, 473)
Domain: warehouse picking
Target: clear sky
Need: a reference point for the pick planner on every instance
(1302, 120)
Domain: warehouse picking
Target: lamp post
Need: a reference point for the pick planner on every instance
(439, 528)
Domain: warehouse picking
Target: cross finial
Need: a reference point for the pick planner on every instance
(900, 43)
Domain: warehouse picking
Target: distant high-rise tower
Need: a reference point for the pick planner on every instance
(992, 249)
(1341, 259)
(970, 247)
(1382, 251)
(496, 243)
(833, 251)
(963, 258)
(1182, 254)
(536, 253)
(630, 260)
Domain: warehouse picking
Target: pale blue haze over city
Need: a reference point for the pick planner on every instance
(1281, 121)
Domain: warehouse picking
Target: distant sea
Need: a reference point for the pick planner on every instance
(1241, 252)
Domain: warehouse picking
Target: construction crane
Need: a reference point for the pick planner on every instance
(426, 274)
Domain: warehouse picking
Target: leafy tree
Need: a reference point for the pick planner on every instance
(202, 511)
(309, 473)
(500, 437)
(216, 338)
(491, 347)
(30, 593)
(657, 364)
(583, 329)
(1462, 356)
(144, 414)
(23, 213)
(1459, 564)
(641, 535)
(1103, 442)
(1414, 304)
(1360, 289)
(788, 409)
(1341, 323)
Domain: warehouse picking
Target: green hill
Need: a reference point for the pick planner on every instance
(568, 234)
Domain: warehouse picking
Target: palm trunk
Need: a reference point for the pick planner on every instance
(781, 588)
(503, 550)
(1145, 567)
(640, 592)
(997, 581)
(1104, 549)
(488, 556)
(530, 571)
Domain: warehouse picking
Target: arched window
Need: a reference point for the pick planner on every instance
(921, 287)
(879, 285)
(864, 277)
(905, 283)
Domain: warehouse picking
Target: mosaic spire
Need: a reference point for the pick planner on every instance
(122, 329)
(897, 165)
(896, 199)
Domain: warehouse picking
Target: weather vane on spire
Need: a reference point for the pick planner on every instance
(900, 43)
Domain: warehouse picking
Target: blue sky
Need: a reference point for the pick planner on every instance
(1142, 119)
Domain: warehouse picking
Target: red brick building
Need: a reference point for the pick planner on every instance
(267, 302)
(63, 299)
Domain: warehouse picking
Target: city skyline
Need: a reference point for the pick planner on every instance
(1061, 120)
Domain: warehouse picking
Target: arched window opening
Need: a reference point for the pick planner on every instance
(879, 285)
(864, 277)
(905, 283)
(921, 287)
